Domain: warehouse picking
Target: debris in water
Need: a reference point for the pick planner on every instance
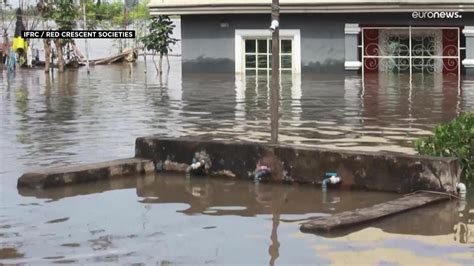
(159, 166)
(262, 173)
(200, 165)
(174, 166)
(225, 173)
(287, 179)
(128, 55)
(461, 190)
(209, 227)
(58, 220)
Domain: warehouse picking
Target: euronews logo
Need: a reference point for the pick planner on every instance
(436, 15)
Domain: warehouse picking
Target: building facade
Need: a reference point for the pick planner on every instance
(326, 35)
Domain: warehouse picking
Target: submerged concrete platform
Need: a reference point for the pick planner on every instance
(380, 171)
(60, 176)
(365, 215)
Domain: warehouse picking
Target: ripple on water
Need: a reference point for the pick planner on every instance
(75, 118)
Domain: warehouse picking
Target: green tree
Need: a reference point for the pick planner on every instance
(103, 14)
(44, 9)
(159, 39)
(140, 11)
(65, 14)
(454, 139)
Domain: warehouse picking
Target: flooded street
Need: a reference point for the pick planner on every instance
(75, 118)
(174, 220)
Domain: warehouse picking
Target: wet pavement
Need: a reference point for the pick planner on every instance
(172, 220)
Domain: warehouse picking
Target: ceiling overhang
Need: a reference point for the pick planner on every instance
(163, 7)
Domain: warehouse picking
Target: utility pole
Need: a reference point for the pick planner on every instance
(85, 39)
(275, 86)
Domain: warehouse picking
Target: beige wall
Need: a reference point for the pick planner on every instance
(184, 7)
(158, 3)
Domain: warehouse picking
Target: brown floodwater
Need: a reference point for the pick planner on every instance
(75, 118)
(173, 219)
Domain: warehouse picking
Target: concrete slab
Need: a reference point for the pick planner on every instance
(60, 176)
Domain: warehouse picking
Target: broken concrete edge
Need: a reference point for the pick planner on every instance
(376, 171)
(66, 175)
(309, 227)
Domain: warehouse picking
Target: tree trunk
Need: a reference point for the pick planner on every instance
(3, 52)
(161, 80)
(165, 80)
(161, 63)
(168, 62)
(144, 57)
(59, 49)
(47, 54)
(154, 62)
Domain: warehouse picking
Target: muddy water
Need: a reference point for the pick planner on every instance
(171, 219)
(74, 118)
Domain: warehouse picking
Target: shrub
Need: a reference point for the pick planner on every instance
(453, 139)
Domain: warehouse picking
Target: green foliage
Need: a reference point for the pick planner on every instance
(103, 10)
(63, 12)
(99, 13)
(454, 139)
(159, 34)
(140, 11)
(112, 13)
(66, 13)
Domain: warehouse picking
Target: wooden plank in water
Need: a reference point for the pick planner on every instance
(358, 216)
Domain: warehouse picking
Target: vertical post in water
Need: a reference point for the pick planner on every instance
(85, 39)
(275, 85)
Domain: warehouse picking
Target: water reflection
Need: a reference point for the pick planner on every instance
(78, 118)
(75, 114)
(412, 96)
(464, 229)
(221, 197)
(234, 208)
(253, 89)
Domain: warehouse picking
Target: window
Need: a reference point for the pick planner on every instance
(411, 49)
(258, 56)
(253, 51)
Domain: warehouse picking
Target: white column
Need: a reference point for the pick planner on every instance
(468, 62)
(352, 62)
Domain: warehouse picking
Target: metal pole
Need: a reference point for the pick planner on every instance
(275, 87)
(144, 57)
(409, 36)
(85, 40)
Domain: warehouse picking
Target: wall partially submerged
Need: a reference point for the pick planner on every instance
(373, 171)
(362, 170)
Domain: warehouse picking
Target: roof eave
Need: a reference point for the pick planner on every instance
(264, 8)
